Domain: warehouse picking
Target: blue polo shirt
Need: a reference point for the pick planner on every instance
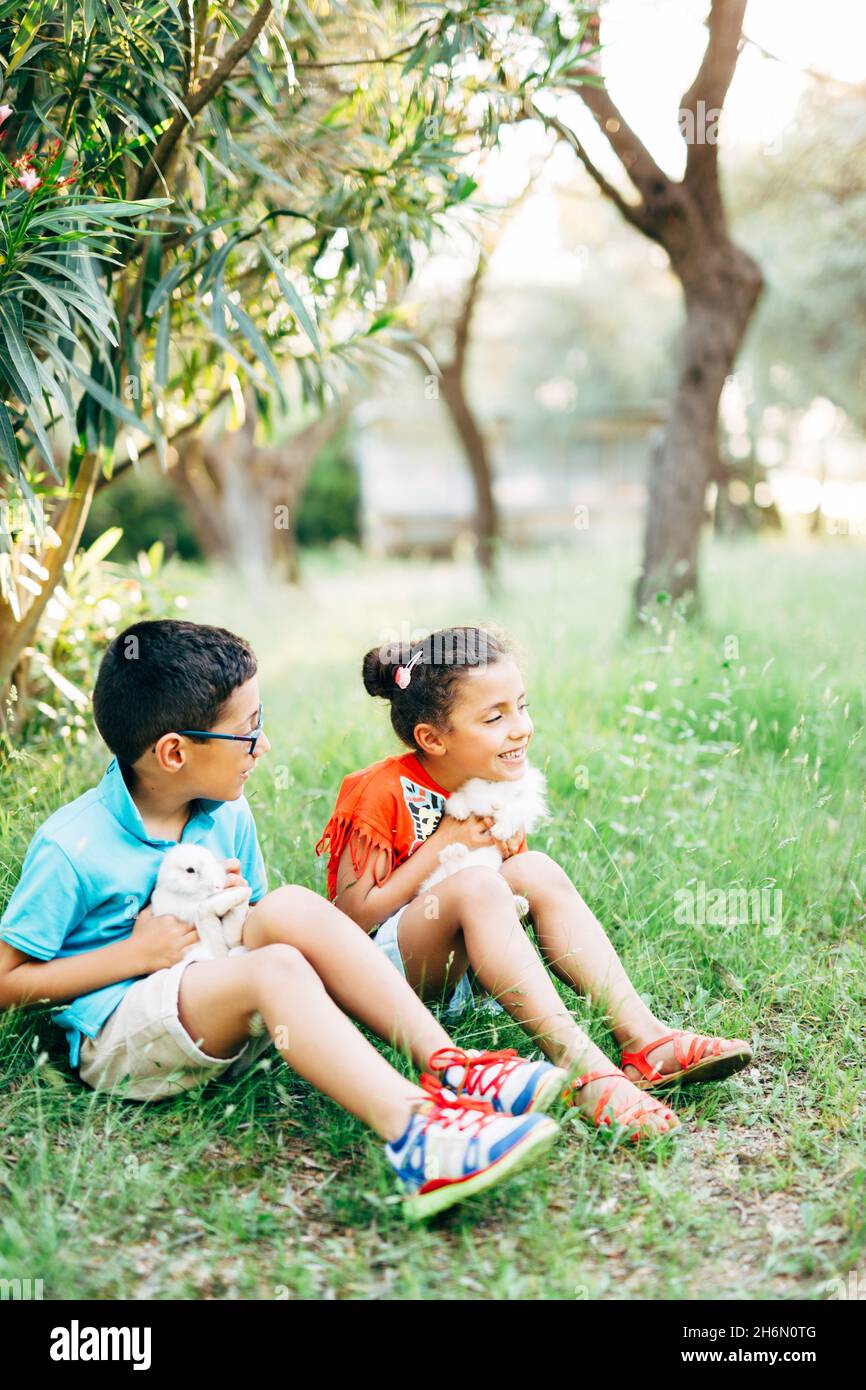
(89, 871)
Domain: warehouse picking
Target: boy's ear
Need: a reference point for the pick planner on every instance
(429, 740)
(170, 752)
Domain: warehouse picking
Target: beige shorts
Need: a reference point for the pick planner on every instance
(143, 1051)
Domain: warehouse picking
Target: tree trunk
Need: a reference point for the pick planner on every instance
(721, 283)
(452, 381)
(16, 634)
(478, 458)
(243, 499)
(720, 299)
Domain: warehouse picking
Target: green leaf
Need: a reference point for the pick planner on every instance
(162, 290)
(59, 392)
(228, 346)
(293, 299)
(256, 342)
(49, 296)
(43, 443)
(19, 352)
(161, 354)
(8, 444)
(108, 211)
(103, 545)
(110, 402)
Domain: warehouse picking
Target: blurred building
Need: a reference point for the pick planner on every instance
(417, 490)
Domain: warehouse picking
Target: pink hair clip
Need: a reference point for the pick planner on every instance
(403, 674)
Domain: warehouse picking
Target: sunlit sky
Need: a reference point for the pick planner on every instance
(652, 50)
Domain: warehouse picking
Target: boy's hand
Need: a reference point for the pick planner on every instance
(234, 877)
(158, 942)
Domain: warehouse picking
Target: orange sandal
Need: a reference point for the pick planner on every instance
(702, 1060)
(600, 1116)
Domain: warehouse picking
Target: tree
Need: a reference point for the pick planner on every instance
(243, 497)
(206, 198)
(806, 207)
(451, 371)
(720, 281)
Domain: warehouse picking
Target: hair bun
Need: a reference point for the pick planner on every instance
(378, 675)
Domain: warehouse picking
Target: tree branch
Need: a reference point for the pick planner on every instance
(710, 87)
(838, 83)
(360, 62)
(199, 99)
(632, 212)
(178, 434)
(648, 177)
(651, 182)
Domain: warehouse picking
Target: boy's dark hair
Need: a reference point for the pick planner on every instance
(160, 676)
(445, 658)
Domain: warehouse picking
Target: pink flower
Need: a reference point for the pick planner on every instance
(29, 180)
(5, 113)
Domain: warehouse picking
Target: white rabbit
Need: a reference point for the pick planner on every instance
(517, 807)
(191, 886)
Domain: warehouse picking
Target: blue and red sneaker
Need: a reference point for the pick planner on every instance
(454, 1148)
(511, 1084)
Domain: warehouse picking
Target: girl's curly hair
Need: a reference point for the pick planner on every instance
(445, 657)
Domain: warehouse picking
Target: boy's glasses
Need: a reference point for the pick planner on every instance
(251, 738)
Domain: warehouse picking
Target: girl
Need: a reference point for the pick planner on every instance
(458, 703)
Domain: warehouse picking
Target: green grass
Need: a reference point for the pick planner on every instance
(667, 767)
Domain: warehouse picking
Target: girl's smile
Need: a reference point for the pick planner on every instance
(515, 755)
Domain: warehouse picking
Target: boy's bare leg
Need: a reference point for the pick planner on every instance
(218, 998)
(578, 949)
(353, 970)
(471, 915)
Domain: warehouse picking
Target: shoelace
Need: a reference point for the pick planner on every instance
(451, 1110)
(506, 1060)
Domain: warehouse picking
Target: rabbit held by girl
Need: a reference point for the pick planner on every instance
(516, 808)
(458, 704)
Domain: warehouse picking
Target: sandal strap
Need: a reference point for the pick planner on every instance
(641, 1061)
(595, 1076)
(689, 1057)
(649, 1105)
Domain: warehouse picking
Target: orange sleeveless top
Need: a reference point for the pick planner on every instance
(391, 806)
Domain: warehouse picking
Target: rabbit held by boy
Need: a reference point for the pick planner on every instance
(191, 886)
(517, 808)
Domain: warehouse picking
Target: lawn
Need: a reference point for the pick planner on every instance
(687, 763)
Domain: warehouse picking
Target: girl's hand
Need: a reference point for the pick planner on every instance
(508, 847)
(473, 832)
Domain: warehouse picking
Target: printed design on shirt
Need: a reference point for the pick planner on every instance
(425, 807)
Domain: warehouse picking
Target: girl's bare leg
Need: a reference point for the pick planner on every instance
(353, 970)
(470, 916)
(577, 948)
(218, 998)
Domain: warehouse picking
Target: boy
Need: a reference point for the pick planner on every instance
(178, 705)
